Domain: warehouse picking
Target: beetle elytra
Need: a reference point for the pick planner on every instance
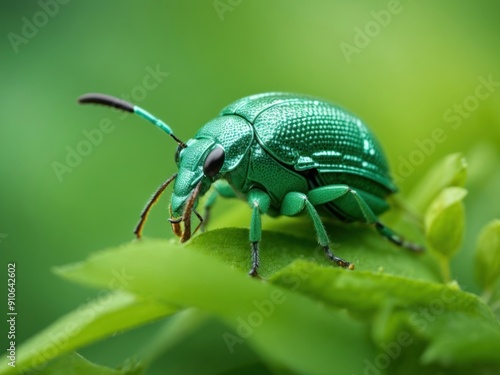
(283, 153)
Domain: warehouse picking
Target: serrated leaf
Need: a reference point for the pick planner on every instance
(448, 172)
(111, 313)
(366, 293)
(448, 320)
(75, 364)
(445, 221)
(457, 338)
(487, 256)
(270, 318)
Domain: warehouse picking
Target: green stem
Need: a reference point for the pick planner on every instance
(444, 264)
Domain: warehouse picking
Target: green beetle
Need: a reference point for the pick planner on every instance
(284, 154)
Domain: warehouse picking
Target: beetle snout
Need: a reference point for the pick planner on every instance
(175, 223)
(181, 209)
(177, 206)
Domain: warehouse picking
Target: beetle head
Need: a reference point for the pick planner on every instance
(217, 149)
(200, 164)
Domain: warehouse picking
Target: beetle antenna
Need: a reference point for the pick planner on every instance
(112, 101)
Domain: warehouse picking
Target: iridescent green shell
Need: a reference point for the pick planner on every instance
(309, 133)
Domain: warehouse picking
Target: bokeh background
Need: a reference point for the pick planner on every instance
(401, 66)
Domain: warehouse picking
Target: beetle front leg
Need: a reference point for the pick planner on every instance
(259, 202)
(293, 204)
(207, 207)
(219, 188)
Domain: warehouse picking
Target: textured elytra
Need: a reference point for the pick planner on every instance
(309, 133)
(251, 106)
(264, 168)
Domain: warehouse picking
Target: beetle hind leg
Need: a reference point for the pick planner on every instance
(396, 239)
(328, 194)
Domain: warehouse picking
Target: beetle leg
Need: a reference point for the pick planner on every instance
(326, 194)
(259, 202)
(323, 237)
(255, 259)
(224, 189)
(386, 232)
(293, 204)
(396, 239)
(206, 209)
(201, 220)
(220, 188)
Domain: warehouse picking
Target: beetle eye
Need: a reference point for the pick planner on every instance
(177, 154)
(214, 162)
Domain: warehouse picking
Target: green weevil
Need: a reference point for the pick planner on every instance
(285, 154)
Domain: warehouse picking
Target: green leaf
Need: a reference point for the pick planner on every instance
(111, 313)
(448, 172)
(365, 293)
(459, 338)
(205, 344)
(174, 331)
(271, 319)
(75, 364)
(445, 221)
(309, 317)
(297, 240)
(487, 256)
(456, 327)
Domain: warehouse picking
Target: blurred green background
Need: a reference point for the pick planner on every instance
(400, 66)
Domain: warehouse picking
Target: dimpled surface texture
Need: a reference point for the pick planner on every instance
(310, 133)
(233, 133)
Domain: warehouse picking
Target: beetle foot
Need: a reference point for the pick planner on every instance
(413, 247)
(255, 259)
(339, 261)
(253, 272)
